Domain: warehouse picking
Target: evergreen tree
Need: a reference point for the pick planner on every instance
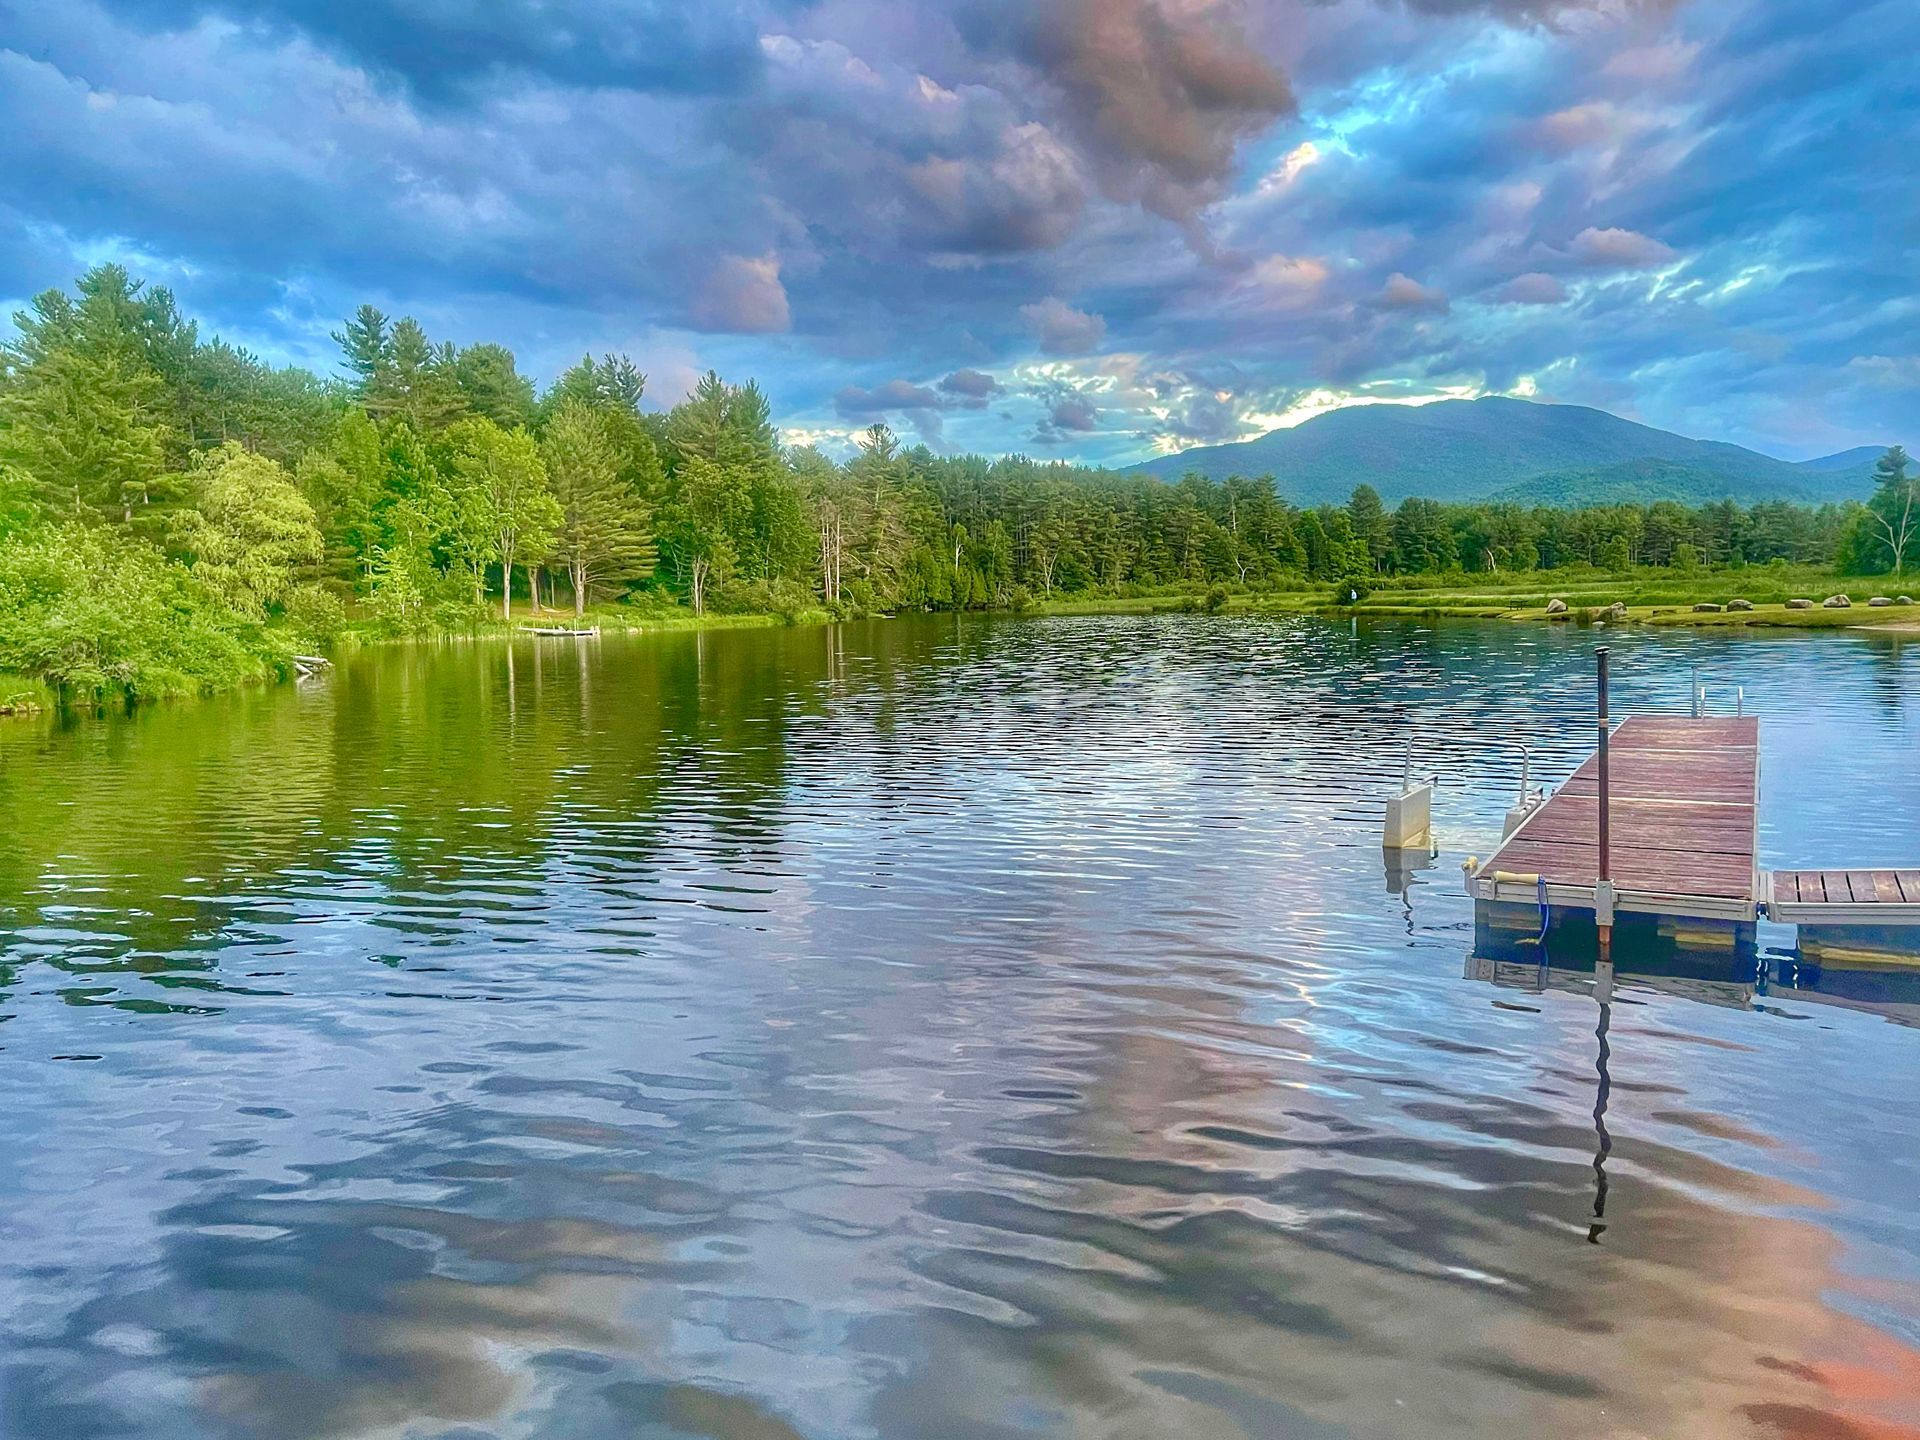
(367, 348)
(491, 386)
(1369, 519)
(602, 535)
(1892, 516)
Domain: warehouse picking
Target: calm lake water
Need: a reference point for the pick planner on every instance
(960, 1027)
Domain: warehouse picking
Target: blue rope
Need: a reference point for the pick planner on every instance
(1540, 940)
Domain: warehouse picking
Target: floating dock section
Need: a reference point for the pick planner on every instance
(1681, 819)
(1850, 919)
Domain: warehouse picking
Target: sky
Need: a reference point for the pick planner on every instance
(1087, 229)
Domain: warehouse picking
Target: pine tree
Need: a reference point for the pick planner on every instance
(602, 535)
(368, 348)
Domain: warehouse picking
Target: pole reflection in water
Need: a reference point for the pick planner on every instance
(1604, 1088)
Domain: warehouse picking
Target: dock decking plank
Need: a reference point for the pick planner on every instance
(1846, 887)
(1656, 871)
(1681, 800)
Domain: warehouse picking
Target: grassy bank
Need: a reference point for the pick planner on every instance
(607, 619)
(25, 695)
(1651, 598)
(128, 662)
(111, 663)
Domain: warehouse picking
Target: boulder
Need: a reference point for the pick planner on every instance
(1837, 602)
(1556, 607)
(1739, 604)
(1617, 610)
(1903, 599)
(1880, 602)
(1707, 607)
(1799, 604)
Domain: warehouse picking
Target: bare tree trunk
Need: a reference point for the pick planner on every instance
(506, 582)
(578, 573)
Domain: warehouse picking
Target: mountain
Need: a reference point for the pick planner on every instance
(1861, 457)
(1519, 450)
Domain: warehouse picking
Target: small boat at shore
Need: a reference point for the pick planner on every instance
(561, 630)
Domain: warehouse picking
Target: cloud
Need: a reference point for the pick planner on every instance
(1025, 193)
(1158, 95)
(1402, 292)
(743, 294)
(1534, 288)
(829, 195)
(1061, 329)
(972, 388)
(1074, 413)
(1206, 417)
(854, 402)
(1285, 282)
(1615, 249)
(1887, 372)
(440, 50)
(1593, 123)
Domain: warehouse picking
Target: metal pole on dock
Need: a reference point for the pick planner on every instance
(1603, 889)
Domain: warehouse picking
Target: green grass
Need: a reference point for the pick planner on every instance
(1654, 597)
(612, 618)
(25, 695)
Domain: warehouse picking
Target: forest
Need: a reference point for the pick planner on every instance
(176, 514)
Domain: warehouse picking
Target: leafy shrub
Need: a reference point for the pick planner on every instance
(762, 597)
(314, 616)
(96, 613)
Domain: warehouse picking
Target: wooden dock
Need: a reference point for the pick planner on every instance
(1684, 802)
(1654, 842)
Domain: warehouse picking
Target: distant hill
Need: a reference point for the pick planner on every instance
(1861, 458)
(1519, 450)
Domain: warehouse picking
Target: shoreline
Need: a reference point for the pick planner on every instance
(26, 697)
(1582, 609)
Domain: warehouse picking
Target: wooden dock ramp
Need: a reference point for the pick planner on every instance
(1684, 799)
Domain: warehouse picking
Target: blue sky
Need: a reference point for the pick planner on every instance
(1093, 229)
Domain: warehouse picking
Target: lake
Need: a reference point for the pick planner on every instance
(951, 1027)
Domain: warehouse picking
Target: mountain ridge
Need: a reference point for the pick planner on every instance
(1525, 451)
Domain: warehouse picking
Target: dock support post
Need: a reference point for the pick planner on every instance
(1603, 890)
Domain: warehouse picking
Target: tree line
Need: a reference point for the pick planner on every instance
(151, 480)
